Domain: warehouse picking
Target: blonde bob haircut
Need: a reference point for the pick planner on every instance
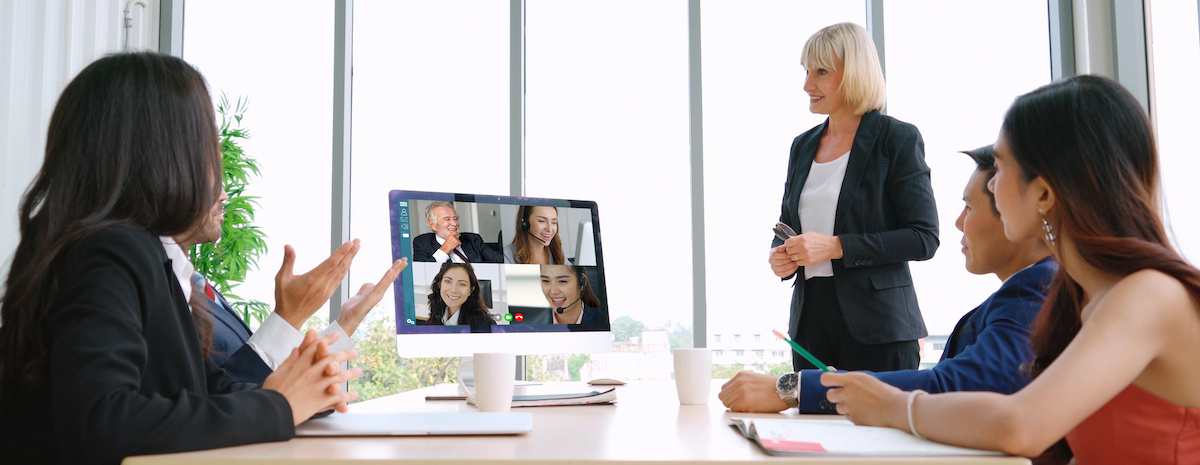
(849, 47)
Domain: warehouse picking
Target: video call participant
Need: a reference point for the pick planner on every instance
(987, 349)
(455, 298)
(1115, 347)
(537, 242)
(250, 356)
(100, 353)
(858, 192)
(446, 243)
(570, 295)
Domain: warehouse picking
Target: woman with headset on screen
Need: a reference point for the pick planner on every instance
(537, 241)
(455, 299)
(570, 295)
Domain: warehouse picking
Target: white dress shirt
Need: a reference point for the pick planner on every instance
(441, 257)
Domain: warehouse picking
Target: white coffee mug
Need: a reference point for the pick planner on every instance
(494, 375)
(693, 375)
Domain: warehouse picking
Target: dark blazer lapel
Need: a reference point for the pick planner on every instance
(807, 153)
(860, 153)
(230, 318)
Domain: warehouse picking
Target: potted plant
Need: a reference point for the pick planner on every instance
(225, 262)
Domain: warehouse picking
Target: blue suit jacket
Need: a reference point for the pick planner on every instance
(984, 353)
(229, 341)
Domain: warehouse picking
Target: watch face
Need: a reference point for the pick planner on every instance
(786, 383)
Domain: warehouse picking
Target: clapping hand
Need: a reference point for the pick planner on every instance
(310, 379)
(297, 297)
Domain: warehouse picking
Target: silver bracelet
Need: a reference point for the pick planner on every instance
(912, 427)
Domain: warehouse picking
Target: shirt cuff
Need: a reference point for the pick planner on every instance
(274, 340)
(343, 342)
(439, 256)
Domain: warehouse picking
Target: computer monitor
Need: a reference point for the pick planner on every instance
(501, 299)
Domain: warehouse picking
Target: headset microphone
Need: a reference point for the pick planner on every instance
(582, 280)
(560, 310)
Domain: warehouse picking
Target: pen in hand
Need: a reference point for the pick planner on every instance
(801, 351)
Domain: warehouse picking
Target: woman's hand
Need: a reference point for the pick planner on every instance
(297, 297)
(752, 392)
(865, 400)
(812, 247)
(781, 264)
(355, 309)
(310, 379)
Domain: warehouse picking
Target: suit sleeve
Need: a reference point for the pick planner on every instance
(787, 189)
(245, 365)
(993, 363)
(98, 357)
(912, 207)
(489, 254)
(421, 249)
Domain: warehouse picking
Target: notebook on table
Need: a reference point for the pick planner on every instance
(417, 424)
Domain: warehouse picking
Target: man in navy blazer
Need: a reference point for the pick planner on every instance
(987, 348)
(446, 243)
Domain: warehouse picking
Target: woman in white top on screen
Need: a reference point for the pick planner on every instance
(570, 295)
(537, 240)
(454, 297)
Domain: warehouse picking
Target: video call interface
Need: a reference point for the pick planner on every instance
(495, 264)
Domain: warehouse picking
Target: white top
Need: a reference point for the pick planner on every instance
(440, 257)
(450, 320)
(275, 338)
(510, 255)
(818, 205)
(180, 265)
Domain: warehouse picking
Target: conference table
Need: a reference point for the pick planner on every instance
(646, 426)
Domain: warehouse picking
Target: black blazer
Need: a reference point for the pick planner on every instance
(126, 373)
(473, 247)
(885, 217)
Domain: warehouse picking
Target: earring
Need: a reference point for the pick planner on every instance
(1050, 237)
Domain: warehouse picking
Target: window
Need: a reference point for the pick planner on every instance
(737, 338)
(1176, 51)
(738, 353)
(286, 72)
(430, 113)
(754, 105)
(718, 353)
(716, 338)
(607, 120)
(959, 107)
(758, 353)
(757, 337)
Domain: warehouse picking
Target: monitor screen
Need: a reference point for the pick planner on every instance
(497, 274)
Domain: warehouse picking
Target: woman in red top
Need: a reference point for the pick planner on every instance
(1117, 341)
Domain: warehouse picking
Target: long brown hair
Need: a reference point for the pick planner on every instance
(132, 140)
(523, 243)
(474, 302)
(1092, 143)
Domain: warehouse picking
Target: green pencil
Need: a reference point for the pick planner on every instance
(801, 351)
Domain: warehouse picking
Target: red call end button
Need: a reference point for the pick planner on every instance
(519, 317)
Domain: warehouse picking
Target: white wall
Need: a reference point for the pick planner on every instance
(47, 43)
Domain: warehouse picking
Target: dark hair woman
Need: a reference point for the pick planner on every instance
(1077, 168)
(99, 354)
(569, 293)
(536, 240)
(455, 297)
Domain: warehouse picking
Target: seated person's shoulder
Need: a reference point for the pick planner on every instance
(1152, 289)
(121, 239)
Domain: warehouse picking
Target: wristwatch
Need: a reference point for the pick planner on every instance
(788, 389)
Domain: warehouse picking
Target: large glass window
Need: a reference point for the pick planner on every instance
(1176, 52)
(953, 68)
(754, 105)
(607, 120)
(283, 64)
(430, 113)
